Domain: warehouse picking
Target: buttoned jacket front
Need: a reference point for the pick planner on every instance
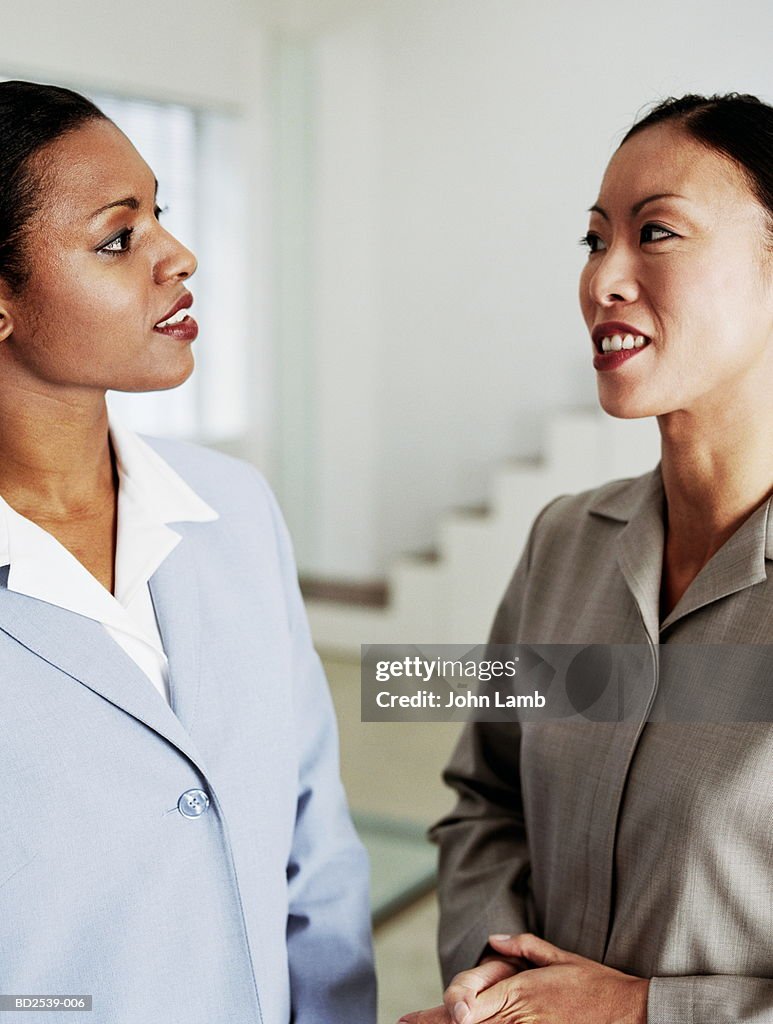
(250, 907)
(643, 845)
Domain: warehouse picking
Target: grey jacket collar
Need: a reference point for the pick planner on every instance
(639, 505)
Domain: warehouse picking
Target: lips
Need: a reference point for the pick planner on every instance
(176, 323)
(184, 302)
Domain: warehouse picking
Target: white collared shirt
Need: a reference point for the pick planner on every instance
(150, 495)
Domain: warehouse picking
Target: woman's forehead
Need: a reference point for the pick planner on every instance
(93, 166)
(666, 160)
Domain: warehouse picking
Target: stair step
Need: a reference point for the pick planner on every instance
(470, 511)
(371, 594)
(428, 556)
(449, 594)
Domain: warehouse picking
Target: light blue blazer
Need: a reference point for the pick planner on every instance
(252, 908)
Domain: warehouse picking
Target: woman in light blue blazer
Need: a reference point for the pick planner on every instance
(174, 840)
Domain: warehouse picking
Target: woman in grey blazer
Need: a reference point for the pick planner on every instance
(175, 846)
(596, 873)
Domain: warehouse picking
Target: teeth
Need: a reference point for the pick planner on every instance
(617, 342)
(178, 318)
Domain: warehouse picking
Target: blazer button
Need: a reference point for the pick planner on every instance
(193, 803)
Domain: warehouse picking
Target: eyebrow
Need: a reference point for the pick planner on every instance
(129, 201)
(637, 207)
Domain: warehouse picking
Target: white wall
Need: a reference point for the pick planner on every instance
(458, 145)
(346, 325)
(168, 51)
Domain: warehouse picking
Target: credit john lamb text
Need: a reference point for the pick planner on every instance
(468, 699)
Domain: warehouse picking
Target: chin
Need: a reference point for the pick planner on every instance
(626, 404)
(156, 381)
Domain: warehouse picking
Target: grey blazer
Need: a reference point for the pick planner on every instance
(646, 846)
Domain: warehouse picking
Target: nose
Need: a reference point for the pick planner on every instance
(612, 277)
(174, 261)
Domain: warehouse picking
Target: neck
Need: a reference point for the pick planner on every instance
(57, 460)
(717, 469)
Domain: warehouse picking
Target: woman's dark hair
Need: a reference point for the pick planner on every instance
(737, 125)
(31, 117)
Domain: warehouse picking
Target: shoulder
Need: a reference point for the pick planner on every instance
(250, 529)
(615, 500)
(570, 555)
(574, 522)
(227, 483)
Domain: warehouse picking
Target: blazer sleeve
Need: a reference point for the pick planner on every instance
(328, 926)
(484, 870)
(710, 999)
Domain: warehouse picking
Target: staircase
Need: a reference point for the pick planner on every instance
(451, 596)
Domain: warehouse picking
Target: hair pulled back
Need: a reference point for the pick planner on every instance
(31, 117)
(737, 125)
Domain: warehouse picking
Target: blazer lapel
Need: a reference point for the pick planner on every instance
(174, 589)
(640, 552)
(82, 649)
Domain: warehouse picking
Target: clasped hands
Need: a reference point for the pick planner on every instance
(534, 982)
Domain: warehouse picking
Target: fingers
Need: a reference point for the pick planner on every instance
(492, 988)
(436, 1015)
(465, 987)
(502, 1002)
(537, 951)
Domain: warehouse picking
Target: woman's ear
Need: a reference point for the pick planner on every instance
(6, 319)
(6, 324)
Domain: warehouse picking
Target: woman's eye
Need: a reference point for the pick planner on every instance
(118, 243)
(655, 233)
(592, 242)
